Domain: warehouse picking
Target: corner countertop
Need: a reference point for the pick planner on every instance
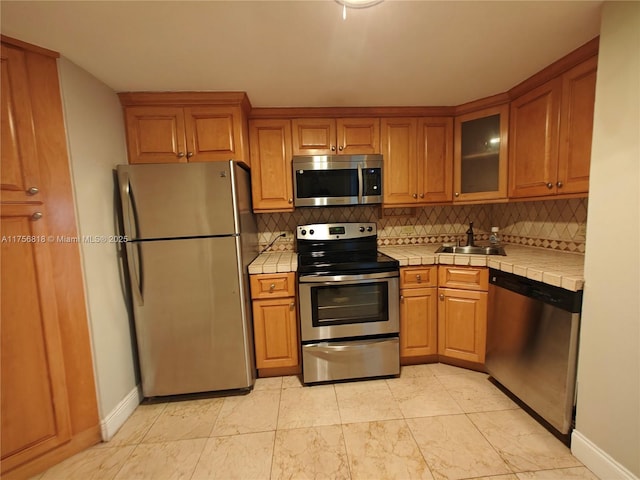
(560, 269)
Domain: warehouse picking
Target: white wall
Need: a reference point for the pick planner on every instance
(96, 138)
(607, 435)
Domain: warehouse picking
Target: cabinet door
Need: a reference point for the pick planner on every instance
(400, 161)
(275, 333)
(418, 322)
(359, 136)
(271, 174)
(576, 127)
(35, 407)
(314, 136)
(480, 159)
(19, 178)
(155, 134)
(213, 133)
(533, 141)
(462, 324)
(435, 159)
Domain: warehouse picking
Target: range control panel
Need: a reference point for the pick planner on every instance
(335, 231)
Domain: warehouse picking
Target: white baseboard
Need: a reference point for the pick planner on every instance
(116, 418)
(597, 460)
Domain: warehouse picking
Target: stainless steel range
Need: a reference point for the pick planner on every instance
(349, 313)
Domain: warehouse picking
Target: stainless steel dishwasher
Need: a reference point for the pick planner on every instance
(532, 344)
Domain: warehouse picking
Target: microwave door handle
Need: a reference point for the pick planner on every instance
(360, 186)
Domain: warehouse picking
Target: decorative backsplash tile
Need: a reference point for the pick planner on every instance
(554, 224)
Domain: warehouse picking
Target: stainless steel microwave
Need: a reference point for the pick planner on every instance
(325, 180)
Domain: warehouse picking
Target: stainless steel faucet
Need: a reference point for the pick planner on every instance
(470, 242)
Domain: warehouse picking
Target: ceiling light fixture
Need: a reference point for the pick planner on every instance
(356, 4)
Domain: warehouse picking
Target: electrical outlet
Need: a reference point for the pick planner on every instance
(408, 230)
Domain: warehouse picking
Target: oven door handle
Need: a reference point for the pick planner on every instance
(346, 278)
(345, 346)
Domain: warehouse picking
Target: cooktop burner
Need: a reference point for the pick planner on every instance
(341, 248)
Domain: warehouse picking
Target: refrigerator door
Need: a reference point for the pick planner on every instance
(178, 200)
(192, 315)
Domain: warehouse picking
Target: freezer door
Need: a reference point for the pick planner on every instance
(192, 316)
(177, 200)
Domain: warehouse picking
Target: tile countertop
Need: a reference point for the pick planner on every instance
(560, 269)
(274, 262)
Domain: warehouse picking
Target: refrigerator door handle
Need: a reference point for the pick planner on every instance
(134, 261)
(129, 217)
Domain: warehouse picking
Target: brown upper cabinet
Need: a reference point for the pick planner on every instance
(418, 160)
(341, 136)
(480, 158)
(550, 135)
(186, 127)
(271, 175)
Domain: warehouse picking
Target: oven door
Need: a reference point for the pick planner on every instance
(347, 306)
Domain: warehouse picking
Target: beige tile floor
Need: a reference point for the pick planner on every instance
(433, 422)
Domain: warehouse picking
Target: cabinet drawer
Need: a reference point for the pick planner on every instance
(273, 285)
(418, 277)
(466, 278)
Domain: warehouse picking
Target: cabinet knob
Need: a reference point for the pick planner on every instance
(272, 287)
(415, 195)
(33, 190)
(422, 195)
(180, 154)
(559, 184)
(442, 296)
(419, 278)
(333, 148)
(292, 305)
(340, 148)
(291, 200)
(402, 298)
(457, 194)
(36, 216)
(549, 185)
(189, 154)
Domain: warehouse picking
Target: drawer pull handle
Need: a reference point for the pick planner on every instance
(37, 216)
(33, 191)
(419, 278)
(272, 287)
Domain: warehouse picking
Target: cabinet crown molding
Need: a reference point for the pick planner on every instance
(130, 99)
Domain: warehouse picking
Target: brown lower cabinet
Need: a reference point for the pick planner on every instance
(418, 313)
(462, 312)
(48, 409)
(275, 324)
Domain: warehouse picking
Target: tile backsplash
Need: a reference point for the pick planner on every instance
(554, 224)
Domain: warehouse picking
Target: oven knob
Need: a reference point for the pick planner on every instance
(303, 232)
(362, 229)
(310, 232)
(369, 229)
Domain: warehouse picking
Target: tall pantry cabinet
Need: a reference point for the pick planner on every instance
(48, 400)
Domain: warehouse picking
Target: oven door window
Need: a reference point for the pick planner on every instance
(348, 304)
(327, 183)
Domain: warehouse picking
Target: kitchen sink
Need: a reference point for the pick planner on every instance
(472, 250)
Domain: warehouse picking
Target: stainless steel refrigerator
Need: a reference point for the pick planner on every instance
(191, 235)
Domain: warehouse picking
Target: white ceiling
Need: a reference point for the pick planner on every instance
(301, 53)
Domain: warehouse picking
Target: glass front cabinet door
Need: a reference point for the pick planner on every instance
(480, 155)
